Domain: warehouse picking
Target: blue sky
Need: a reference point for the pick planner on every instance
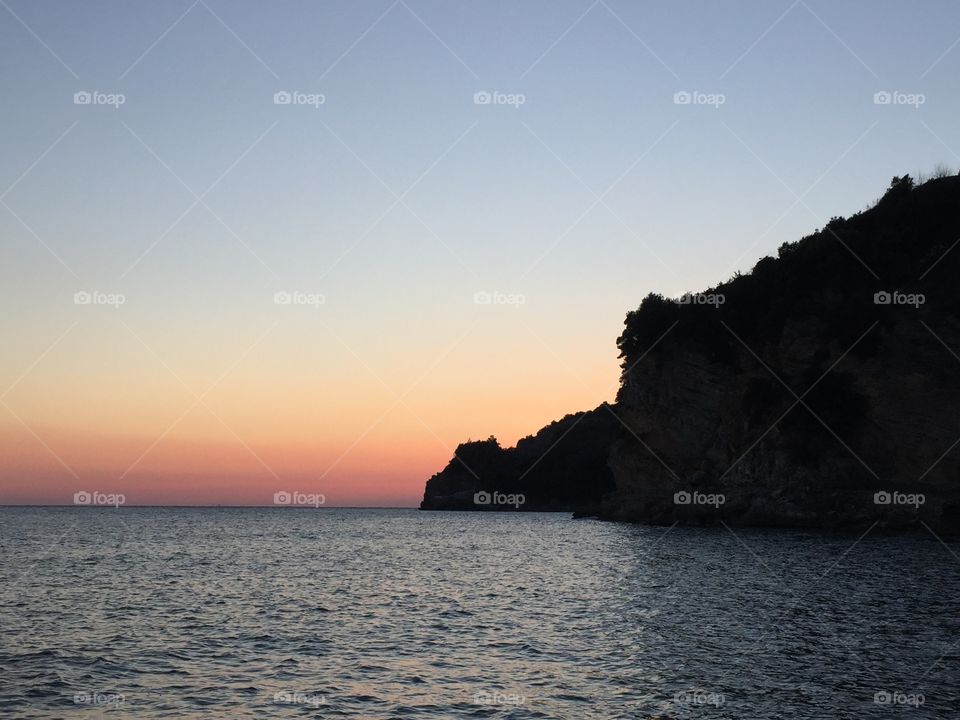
(399, 81)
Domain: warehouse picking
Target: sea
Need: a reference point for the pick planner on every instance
(378, 613)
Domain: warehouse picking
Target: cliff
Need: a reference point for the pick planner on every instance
(819, 390)
(562, 467)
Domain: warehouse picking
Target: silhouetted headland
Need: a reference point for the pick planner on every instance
(819, 390)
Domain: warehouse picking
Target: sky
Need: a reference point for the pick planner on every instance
(309, 247)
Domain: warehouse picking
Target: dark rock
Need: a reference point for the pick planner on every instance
(791, 393)
(563, 467)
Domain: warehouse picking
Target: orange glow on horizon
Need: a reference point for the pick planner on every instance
(342, 421)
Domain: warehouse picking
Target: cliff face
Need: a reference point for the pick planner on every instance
(562, 467)
(820, 390)
(803, 397)
(872, 424)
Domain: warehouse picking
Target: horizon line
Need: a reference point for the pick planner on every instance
(277, 507)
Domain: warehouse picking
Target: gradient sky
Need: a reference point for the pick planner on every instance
(397, 200)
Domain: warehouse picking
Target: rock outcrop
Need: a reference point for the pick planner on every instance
(563, 467)
(820, 390)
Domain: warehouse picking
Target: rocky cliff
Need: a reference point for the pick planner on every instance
(821, 389)
(562, 467)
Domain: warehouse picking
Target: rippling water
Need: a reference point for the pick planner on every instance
(250, 613)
